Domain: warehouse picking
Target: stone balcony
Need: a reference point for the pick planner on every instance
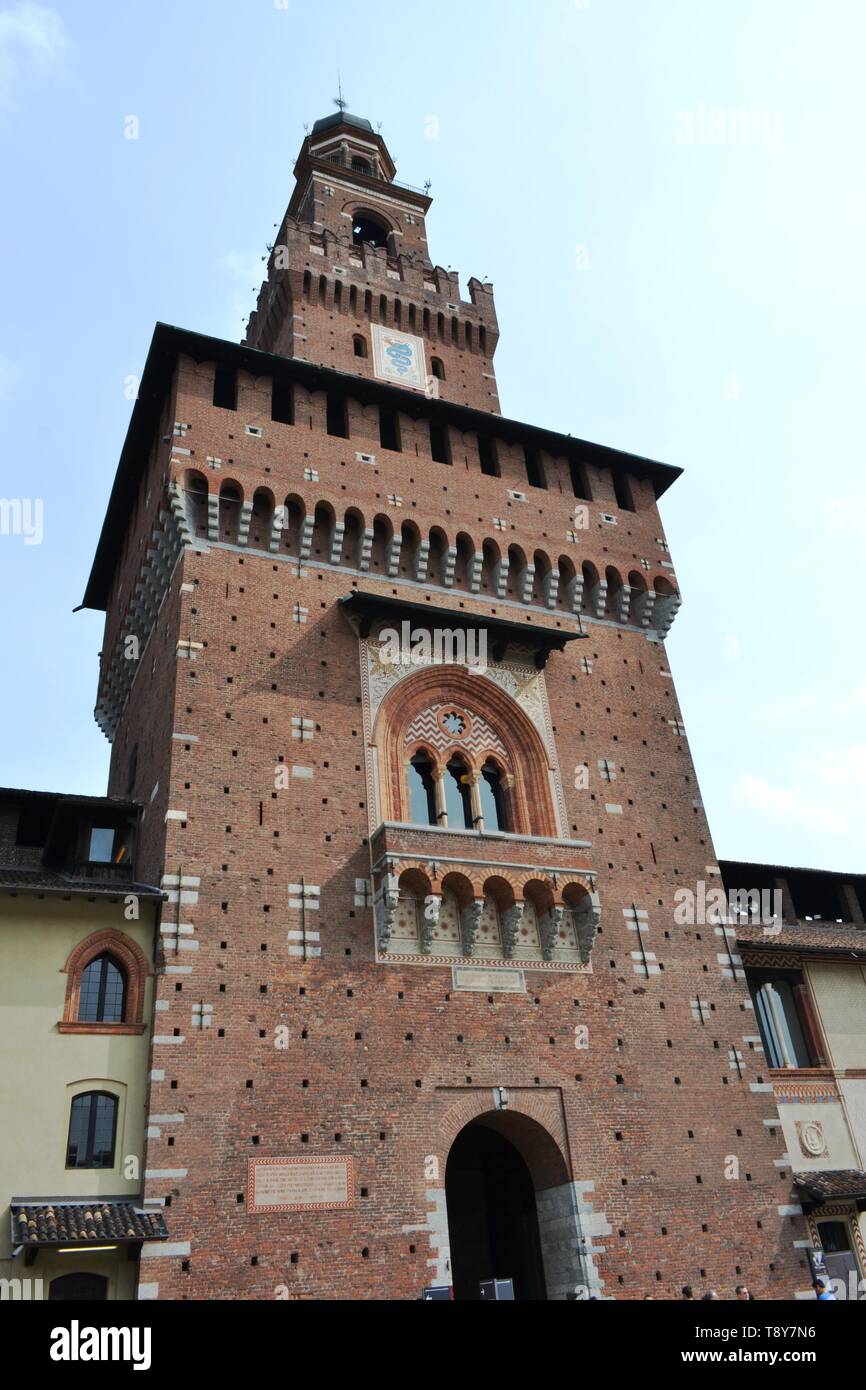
(446, 896)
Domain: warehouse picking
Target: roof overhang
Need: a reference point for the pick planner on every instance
(366, 609)
(309, 164)
(57, 885)
(52, 1223)
(169, 343)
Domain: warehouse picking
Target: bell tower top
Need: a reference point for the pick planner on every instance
(351, 284)
(351, 142)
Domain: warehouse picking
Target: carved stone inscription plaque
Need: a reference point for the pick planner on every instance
(299, 1184)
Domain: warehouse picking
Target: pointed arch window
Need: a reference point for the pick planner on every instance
(422, 791)
(489, 771)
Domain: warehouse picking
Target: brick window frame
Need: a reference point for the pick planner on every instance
(131, 958)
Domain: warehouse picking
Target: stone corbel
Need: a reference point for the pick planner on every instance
(392, 555)
(307, 538)
(244, 523)
(511, 921)
(337, 543)
(430, 915)
(548, 930)
(422, 560)
(450, 565)
(475, 572)
(470, 921)
(666, 608)
(385, 909)
(586, 919)
(502, 577)
(366, 552)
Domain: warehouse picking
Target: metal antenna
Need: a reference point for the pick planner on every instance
(338, 101)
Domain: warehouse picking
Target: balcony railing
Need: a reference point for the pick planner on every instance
(340, 161)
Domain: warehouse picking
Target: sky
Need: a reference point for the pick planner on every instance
(669, 198)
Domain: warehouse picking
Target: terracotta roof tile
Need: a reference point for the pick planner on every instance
(83, 1222)
(808, 936)
(42, 880)
(825, 1186)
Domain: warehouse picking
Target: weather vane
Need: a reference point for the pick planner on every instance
(338, 101)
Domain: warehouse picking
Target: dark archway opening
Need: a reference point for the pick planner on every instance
(492, 1217)
(77, 1288)
(370, 231)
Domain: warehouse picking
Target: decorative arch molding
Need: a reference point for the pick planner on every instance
(532, 801)
(530, 1120)
(131, 958)
(841, 1211)
(430, 875)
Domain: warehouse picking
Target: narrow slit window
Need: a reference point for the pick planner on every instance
(338, 419)
(488, 457)
(389, 430)
(535, 468)
(579, 481)
(225, 388)
(282, 402)
(439, 444)
(624, 496)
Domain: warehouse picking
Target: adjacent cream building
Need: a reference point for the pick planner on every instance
(806, 971)
(77, 939)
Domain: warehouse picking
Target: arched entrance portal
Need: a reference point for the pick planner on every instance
(492, 1217)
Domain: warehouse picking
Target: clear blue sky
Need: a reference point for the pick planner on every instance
(669, 198)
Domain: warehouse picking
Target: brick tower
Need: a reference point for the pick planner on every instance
(387, 670)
